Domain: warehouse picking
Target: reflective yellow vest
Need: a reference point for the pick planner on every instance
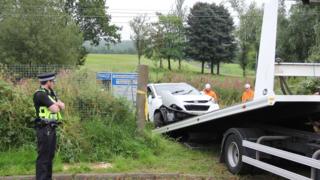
(45, 113)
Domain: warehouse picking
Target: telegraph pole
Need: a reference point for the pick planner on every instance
(141, 97)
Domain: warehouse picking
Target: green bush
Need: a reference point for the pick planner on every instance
(16, 113)
(308, 86)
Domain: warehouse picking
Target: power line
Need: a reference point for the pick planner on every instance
(131, 16)
(102, 16)
(83, 7)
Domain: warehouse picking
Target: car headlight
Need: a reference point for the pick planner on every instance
(175, 107)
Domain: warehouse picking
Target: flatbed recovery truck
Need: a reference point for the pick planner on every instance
(271, 127)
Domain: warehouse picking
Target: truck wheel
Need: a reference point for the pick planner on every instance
(158, 119)
(233, 152)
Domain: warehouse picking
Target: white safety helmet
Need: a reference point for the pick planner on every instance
(247, 86)
(208, 86)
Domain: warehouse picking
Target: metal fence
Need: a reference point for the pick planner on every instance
(86, 107)
(19, 72)
(16, 72)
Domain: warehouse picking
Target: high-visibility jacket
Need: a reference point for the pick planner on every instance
(247, 96)
(44, 112)
(211, 93)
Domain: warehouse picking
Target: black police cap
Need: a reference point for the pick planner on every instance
(46, 77)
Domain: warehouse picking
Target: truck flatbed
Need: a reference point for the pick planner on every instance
(286, 108)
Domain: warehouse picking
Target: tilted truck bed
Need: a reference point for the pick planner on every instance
(290, 110)
(278, 125)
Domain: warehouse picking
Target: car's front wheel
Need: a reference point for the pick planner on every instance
(158, 119)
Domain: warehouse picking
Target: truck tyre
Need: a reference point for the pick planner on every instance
(233, 152)
(158, 119)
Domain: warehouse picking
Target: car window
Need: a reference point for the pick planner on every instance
(149, 92)
(177, 89)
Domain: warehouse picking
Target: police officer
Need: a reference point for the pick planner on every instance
(48, 108)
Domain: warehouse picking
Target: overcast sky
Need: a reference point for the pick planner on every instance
(122, 11)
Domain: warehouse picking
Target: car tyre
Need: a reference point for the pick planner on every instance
(158, 119)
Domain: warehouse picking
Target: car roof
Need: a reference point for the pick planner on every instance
(168, 83)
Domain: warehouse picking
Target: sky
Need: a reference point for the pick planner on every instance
(122, 11)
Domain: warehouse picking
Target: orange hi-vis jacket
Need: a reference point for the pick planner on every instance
(212, 94)
(247, 96)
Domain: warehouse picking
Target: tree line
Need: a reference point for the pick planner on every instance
(208, 34)
(52, 31)
(124, 47)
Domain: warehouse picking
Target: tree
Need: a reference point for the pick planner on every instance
(200, 42)
(300, 37)
(226, 42)
(315, 49)
(164, 40)
(140, 30)
(209, 34)
(180, 12)
(248, 32)
(155, 42)
(243, 56)
(172, 43)
(282, 30)
(39, 32)
(93, 20)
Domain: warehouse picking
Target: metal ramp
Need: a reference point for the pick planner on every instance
(262, 110)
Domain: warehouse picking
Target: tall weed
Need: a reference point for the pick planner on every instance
(16, 113)
(96, 125)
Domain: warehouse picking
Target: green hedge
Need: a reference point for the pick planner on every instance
(16, 113)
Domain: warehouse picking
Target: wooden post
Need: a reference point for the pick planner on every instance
(141, 97)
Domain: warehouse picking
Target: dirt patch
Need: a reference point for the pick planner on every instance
(100, 165)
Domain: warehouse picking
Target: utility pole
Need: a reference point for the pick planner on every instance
(141, 97)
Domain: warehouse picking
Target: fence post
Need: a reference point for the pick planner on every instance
(141, 97)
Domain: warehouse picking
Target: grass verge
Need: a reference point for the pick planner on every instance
(173, 158)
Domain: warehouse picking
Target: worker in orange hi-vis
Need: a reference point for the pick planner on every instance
(208, 91)
(248, 94)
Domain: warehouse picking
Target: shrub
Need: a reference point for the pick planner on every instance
(16, 113)
(308, 86)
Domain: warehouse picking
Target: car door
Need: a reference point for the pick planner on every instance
(152, 102)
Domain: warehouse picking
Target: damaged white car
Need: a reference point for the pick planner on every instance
(171, 102)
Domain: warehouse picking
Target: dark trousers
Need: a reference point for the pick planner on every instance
(46, 146)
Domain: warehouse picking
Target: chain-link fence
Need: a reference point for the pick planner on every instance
(16, 72)
(78, 88)
(19, 72)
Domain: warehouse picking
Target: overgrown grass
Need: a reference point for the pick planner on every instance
(174, 158)
(170, 158)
